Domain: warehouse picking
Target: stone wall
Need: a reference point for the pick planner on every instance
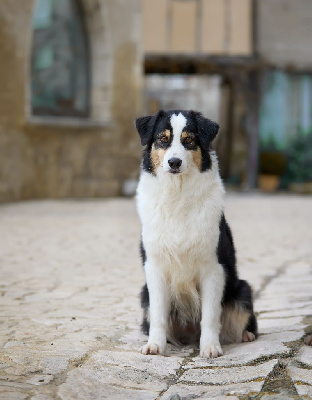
(284, 32)
(61, 157)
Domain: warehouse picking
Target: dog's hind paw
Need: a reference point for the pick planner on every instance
(308, 340)
(212, 351)
(248, 336)
(152, 348)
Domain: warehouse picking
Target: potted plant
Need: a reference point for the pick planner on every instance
(272, 165)
(299, 172)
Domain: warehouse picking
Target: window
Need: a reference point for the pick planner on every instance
(60, 64)
(286, 107)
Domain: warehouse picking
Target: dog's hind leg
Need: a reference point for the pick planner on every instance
(244, 298)
(238, 321)
(251, 331)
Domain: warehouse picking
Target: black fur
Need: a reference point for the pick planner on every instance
(145, 306)
(236, 290)
(252, 325)
(206, 160)
(207, 130)
(144, 295)
(227, 258)
(142, 252)
(147, 163)
(146, 126)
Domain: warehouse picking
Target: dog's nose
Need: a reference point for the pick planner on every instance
(175, 163)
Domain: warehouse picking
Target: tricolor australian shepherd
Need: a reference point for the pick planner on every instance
(192, 290)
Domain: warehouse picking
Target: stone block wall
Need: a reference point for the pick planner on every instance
(62, 157)
(284, 30)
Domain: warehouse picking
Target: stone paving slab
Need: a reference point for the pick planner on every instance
(304, 391)
(69, 311)
(221, 392)
(304, 356)
(240, 354)
(300, 375)
(222, 376)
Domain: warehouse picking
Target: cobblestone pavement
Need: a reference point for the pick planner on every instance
(70, 315)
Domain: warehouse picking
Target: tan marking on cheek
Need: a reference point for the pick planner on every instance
(157, 156)
(197, 158)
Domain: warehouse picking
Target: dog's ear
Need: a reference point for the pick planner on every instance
(145, 126)
(207, 129)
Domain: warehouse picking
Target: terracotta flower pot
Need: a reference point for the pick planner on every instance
(268, 183)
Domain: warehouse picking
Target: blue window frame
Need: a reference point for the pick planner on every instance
(60, 75)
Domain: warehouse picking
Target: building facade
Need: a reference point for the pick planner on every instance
(246, 63)
(71, 87)
(202, 54)
(76, 73)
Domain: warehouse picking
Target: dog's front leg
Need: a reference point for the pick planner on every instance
(212, 286)
(159, 309)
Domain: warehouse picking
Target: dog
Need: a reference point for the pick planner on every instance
(192, 290)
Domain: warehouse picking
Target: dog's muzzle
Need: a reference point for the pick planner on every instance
(174, 164)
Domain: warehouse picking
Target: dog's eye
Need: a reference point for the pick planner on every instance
(164, 138)
(188, 140)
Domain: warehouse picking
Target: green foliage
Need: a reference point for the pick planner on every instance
(270, 144)
(300, 158)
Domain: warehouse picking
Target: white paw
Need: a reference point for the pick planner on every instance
(152, 348)
(248, 336)
(211, 351)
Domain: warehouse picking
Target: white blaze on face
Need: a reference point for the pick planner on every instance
(176, 150)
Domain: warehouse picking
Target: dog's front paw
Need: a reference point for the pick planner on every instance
(152, 348)
(212, 351)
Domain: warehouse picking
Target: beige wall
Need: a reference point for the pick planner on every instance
(285, 32)
(217, 27)
(65, 158)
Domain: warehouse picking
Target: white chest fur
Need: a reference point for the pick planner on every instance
(180, 224)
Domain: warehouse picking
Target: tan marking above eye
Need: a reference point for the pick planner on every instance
(165, 136)
(187, 137)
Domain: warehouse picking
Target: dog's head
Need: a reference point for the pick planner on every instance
(176, 141)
